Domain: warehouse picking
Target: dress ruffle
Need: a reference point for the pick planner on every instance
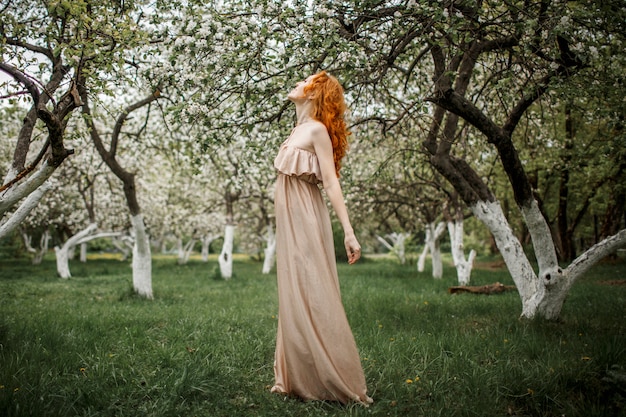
(297, 162)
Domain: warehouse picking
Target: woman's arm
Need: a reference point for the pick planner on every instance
(332, 187)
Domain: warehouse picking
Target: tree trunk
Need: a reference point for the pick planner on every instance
(27, 239)
(83, 243)
(19, 183)
(226, 256)
(421, 262)
(63, 253)
(124, 245)
(189, 249)
(463, 266)
(206, 244)
(490, 213)
(270, 250)
(142, 259)
(184, 252)
(397, 246)
(43, 248)
(557, 288)
(435, 254)
(431, 240)
(615, 214)
(83, 252)
(33, 189)
(41, 251)
(565, 239)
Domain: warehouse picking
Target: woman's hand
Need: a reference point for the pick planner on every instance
(353, 249)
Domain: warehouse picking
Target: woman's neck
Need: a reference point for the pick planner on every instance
(303, 112)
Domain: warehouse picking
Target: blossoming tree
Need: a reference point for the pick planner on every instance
(482, 68)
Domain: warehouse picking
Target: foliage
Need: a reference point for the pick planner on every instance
(88, 346)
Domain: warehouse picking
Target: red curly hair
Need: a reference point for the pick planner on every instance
(329, 107)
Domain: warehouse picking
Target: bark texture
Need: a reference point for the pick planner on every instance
(31, 201)
(226, 256)
(270, 251)
(463, 266)
(432, 245)
(142, 259)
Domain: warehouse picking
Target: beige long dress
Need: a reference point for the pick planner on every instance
(316, 356)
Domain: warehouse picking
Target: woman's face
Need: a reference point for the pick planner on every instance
(298, 92)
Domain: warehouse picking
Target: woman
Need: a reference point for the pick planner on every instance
(316, 356)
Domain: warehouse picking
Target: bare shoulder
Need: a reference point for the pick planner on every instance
(308, 136)
(318, 131)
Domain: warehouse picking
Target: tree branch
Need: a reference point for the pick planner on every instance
(33, 48)
(122, 118)
(594, 254)
(23, 79)
(30, 168)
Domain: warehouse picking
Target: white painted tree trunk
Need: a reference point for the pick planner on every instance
(180, 250)
(397, 245)
(552, 308)
(142, 259)
(27, 239)
(226, 256)
(463, 266)
(189, 249)
(83, 252)
(270, 251)
(490, 213)
(421, 262)
(25, 188)
(83, 243)
(63, 253)
(542, 294)
(528, 286)
(184, 252)
(8, 199)
(124, 245)
(435, 255)
(543, 244)
(431, 240)
(206, 244)
(44, 243)
(40, 252)
(557, 282)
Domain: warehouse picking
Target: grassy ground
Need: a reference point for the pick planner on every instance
(204, 347)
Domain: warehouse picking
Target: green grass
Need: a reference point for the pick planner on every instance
(204, 347)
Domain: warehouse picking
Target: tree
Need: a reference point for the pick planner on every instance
(489, 66)
(142, 258)
(47, 50)
(455, 222)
